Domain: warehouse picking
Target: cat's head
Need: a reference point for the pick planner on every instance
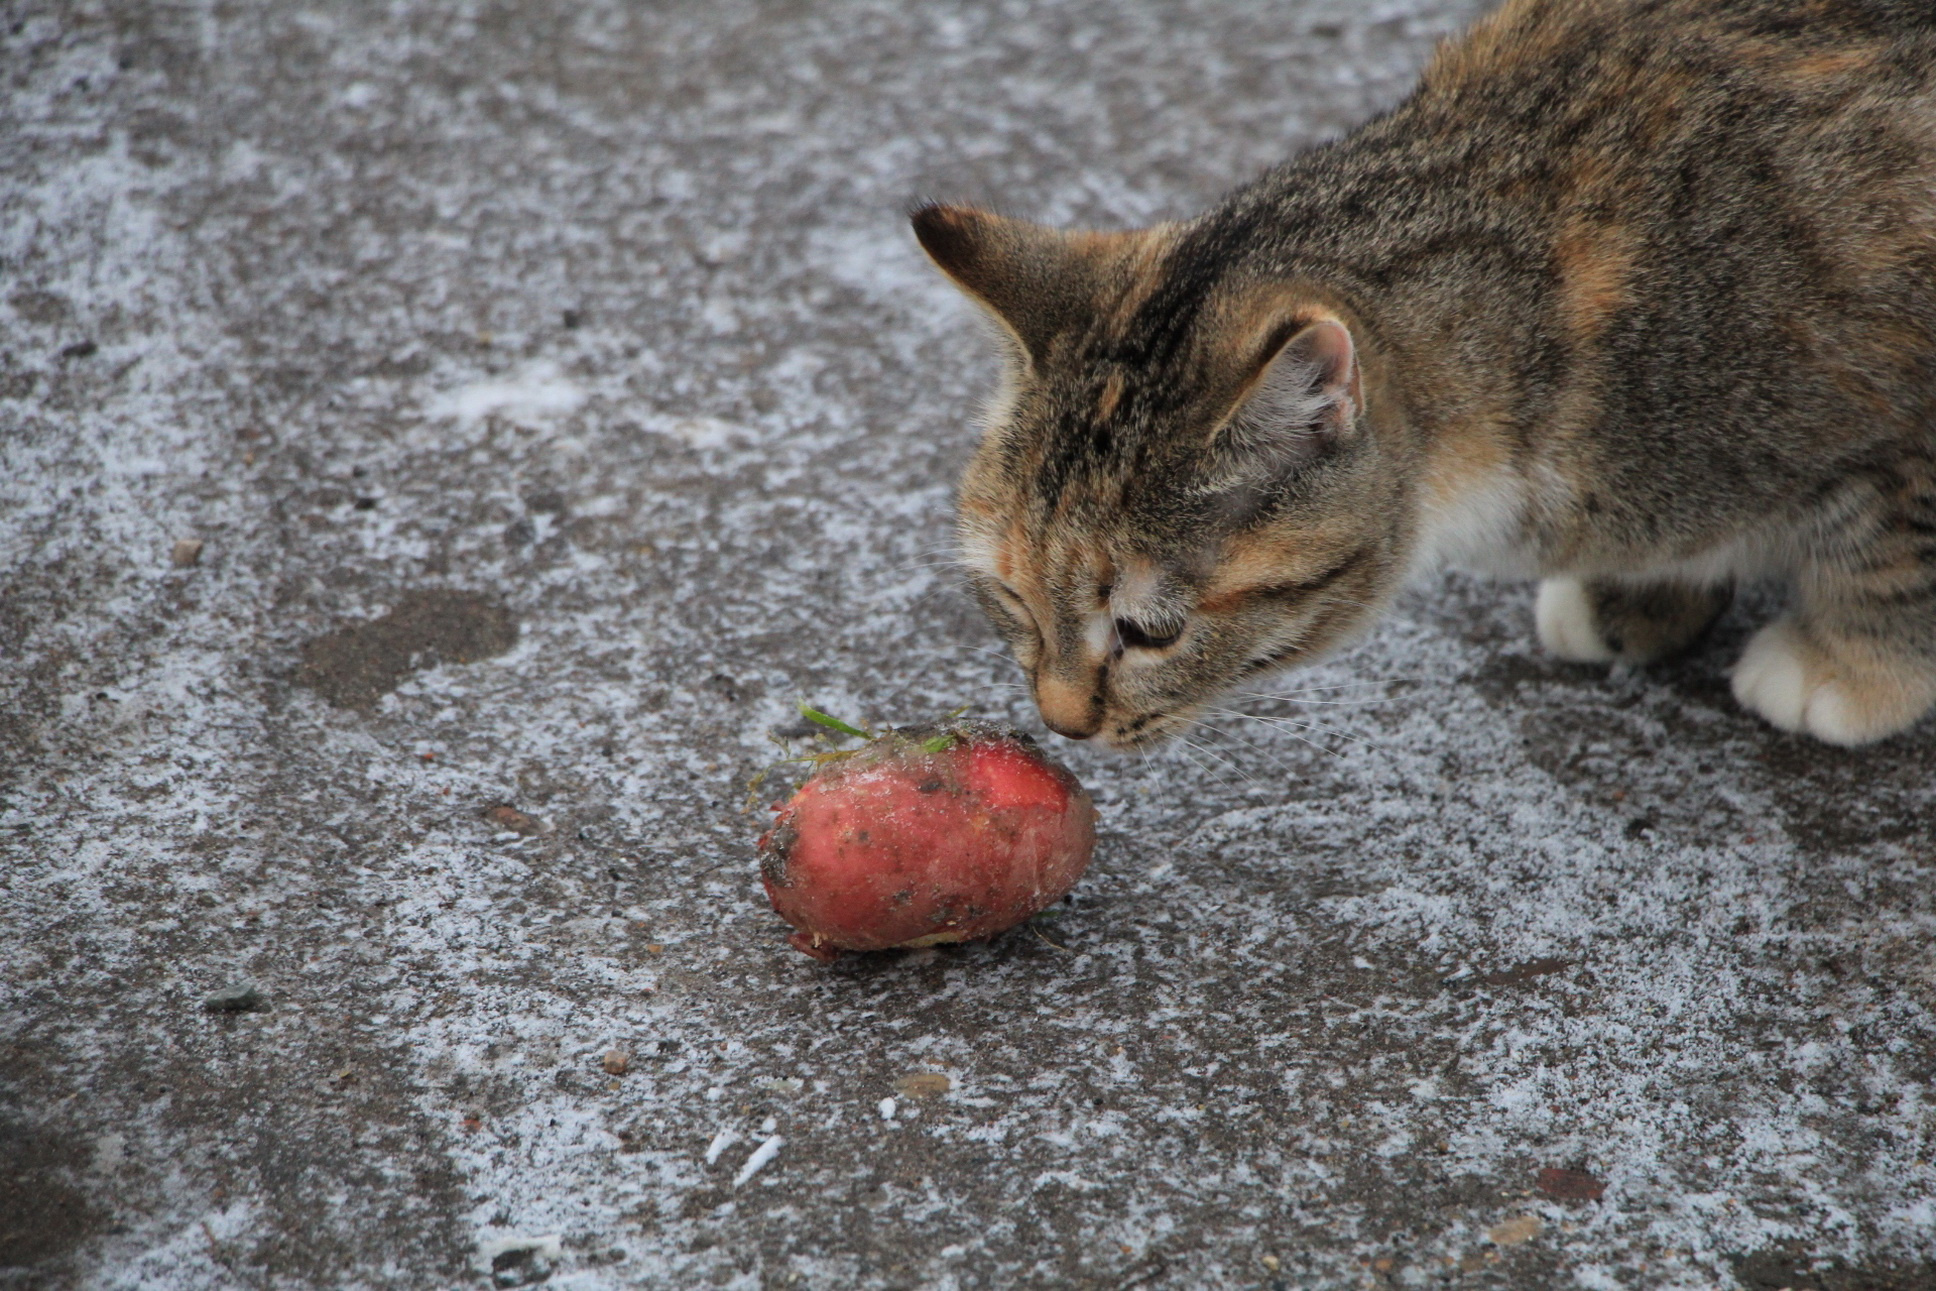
(1179, 489)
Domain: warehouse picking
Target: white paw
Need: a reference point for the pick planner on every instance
(1772, 679)
(1795, 686)
(1834, 718)
(1565, 621)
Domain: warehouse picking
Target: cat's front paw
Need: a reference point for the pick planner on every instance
(1799, 685)
(1564, 616)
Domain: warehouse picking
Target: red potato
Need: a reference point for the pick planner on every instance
(927, 836)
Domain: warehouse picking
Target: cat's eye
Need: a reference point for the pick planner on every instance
(1136, 636)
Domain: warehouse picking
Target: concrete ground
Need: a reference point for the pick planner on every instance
(557, 398)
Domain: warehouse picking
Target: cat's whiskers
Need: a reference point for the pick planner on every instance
(1290, 730)
(1183, 748)
(1347, 685)
(916, 565)
(1328, 703)
(1287, 724)
(942, 556)
(1301, 695)
(936, 549)
(1001, 654)
(1184, 742)
(1273, 756)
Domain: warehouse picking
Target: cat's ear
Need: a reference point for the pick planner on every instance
(1306, 392)
(1033, 279)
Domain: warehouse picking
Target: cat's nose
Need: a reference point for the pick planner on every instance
(1072, 732)
(1069, 709)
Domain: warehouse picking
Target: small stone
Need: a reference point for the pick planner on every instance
(1515, 1232)
(518, 1261)
(1272, 1263)
(923, 1084)
(507, 817)
(187, 552)
(239, 998)
(616, 1062)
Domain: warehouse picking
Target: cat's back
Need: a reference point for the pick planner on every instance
(1691, 99)
(1722, 195)
(1679, 54)
(1693, 88)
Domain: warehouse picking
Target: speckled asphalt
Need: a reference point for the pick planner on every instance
(439, 443)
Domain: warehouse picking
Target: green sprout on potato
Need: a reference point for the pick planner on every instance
(819, 758)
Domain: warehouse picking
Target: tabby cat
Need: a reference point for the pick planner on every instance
(1637, 297)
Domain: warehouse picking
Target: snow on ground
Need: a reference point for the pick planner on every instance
(558, 399)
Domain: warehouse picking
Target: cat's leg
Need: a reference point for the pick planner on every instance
(1597, 620)
(1856, 661)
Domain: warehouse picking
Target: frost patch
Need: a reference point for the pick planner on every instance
(536, 392)
(701, 432)
(764, 1153)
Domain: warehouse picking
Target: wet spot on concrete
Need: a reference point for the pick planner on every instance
(42, 1216)
(1791, 1268)
(1520, 974)
(1569, 1185)
(356, 665)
